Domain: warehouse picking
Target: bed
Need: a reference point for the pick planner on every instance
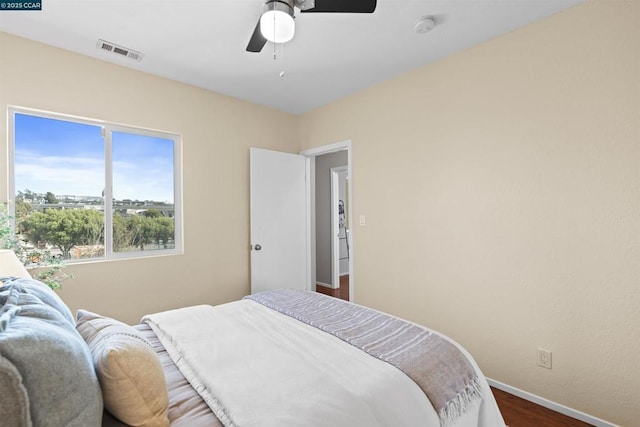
(277, 358)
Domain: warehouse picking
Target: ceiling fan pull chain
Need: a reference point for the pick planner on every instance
(275, 45)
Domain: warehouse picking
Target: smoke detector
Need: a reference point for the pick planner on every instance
(119, 50)
(425, 24)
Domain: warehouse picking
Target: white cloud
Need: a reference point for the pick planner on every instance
(84, 176)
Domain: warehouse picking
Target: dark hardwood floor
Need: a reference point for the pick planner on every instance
(518, 412)
(342, 292)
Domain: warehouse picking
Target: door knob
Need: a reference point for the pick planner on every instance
(257, 247)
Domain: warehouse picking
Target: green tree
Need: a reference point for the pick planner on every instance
(64, 228)
(164, 230)
(48, 268)
(138, 232)
(51, 198)
(6, 233)
(26, 194)
(131, 232)
(22, 209)
(121, 239)
(152, 213)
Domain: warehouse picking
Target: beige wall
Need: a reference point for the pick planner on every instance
(216, 141)
(518, 223)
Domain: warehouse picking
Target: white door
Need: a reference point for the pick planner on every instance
(278, 220)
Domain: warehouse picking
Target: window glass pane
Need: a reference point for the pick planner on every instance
(143, 199)
(59, 179)
(60, 171)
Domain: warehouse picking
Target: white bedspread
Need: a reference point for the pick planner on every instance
(257, 367)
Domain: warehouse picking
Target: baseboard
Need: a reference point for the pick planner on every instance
(550, 405)
(325, 285)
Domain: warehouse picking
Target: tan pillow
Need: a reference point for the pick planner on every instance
(133, 384)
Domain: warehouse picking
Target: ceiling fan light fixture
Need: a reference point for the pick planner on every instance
(276, 22)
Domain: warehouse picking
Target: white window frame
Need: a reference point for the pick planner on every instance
(107, 130)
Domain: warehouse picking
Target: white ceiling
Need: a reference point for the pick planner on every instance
(331, 55)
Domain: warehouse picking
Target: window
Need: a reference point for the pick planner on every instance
(85, 189)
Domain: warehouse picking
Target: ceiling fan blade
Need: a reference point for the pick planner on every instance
(257, 41)
(343, 6)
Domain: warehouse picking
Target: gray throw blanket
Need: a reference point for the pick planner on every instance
(439, 368)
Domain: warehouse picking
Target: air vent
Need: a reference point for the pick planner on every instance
(119, 50)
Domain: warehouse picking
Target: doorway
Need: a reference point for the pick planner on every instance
(340, 250)
(330, 245)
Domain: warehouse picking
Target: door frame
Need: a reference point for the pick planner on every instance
(335, 228)
(310, 155)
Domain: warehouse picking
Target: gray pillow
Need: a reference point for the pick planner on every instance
(42, 292)
(14, 402)
(38, 338)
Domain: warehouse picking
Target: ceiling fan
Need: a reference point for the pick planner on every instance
(276, 23)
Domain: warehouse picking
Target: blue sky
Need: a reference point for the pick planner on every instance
(67, 158)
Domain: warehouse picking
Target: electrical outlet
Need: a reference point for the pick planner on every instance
(544, 358)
